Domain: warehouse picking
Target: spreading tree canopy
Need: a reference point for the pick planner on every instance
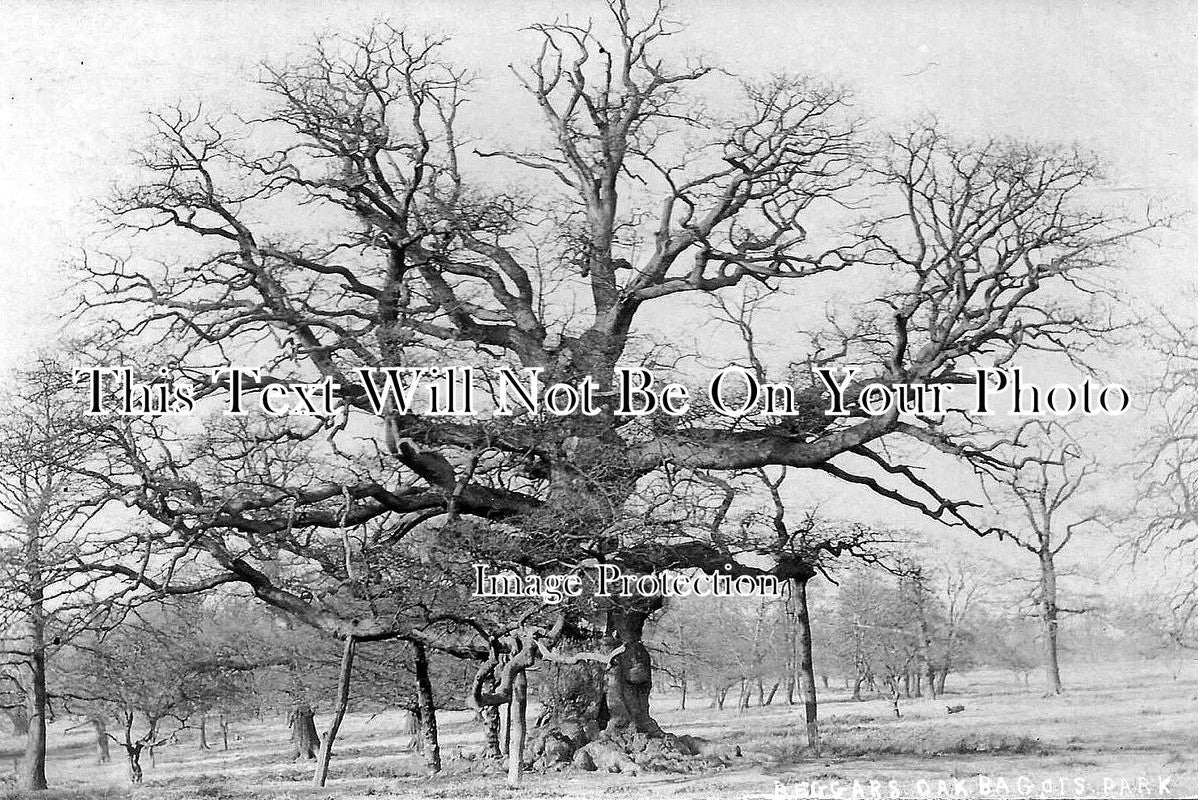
(350, 224)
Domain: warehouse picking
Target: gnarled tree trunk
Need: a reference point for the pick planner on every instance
(629, 679)
(133, 759)
(494, 745)
(305, 743)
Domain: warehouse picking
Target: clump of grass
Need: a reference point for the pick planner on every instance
(863, 742)
(215, 787)
(996, 743)
(373, 769)
(65, 794)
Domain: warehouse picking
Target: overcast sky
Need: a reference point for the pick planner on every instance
(76, 78)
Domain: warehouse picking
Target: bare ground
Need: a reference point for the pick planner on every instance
(1117, 732)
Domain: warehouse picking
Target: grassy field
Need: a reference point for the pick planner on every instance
(1117, 732)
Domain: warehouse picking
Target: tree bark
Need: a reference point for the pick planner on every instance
(1048, 605)
(629, 679)
(304, 739)
(494, 742)
(517, 719)
(224, 732)
(925, 639)
(426, 703)
(940, 676)
(18, 720)
(31, 772)
(326, 746)
(507, 728)
(806, 664)
(792, 653)
(204, 732)
(133, 758)
(410, 727)
(103, 756)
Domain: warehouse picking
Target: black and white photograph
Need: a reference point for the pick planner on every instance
(697, 399)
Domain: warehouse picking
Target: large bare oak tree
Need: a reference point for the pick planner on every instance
(351, 225)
